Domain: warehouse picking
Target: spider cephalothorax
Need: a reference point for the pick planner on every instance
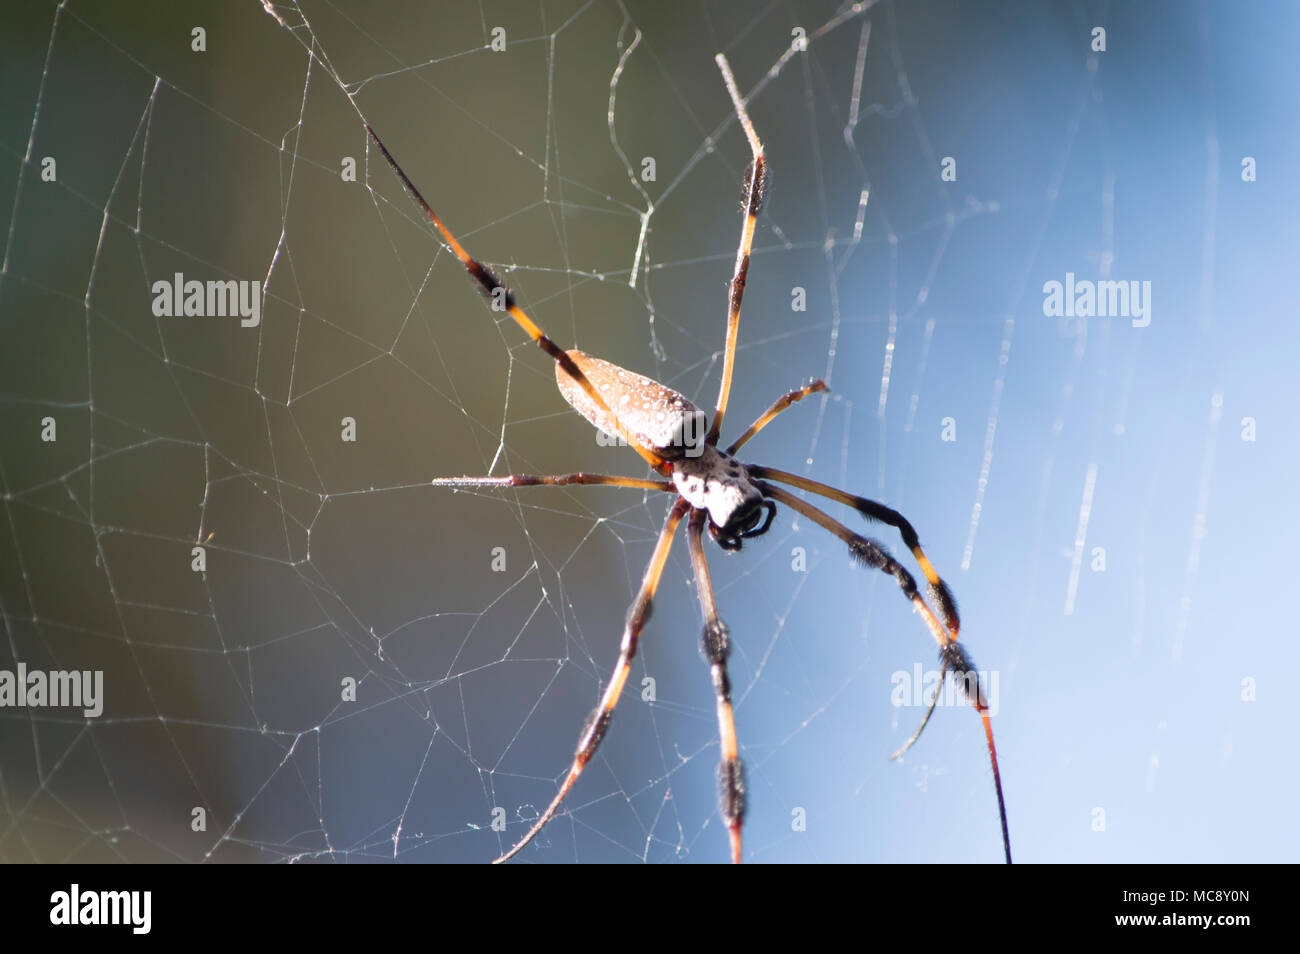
(734, 500)
(718, 483)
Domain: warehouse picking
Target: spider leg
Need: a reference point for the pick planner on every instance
(716, 646)
(596, 725)
(953, 655)
(939, 591)
(501, 297)
(530, 480)
(755, 185)
(925, 720)
(779, 405)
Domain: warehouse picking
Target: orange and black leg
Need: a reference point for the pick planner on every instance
(598, 722)
(752, 196)
(953, 655)
(779, 405)
(715, 644)
(561, 480)
(939, 592)
(501, 297)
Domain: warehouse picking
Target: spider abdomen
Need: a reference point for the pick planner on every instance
(651, 412)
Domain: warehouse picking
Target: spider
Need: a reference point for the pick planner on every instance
(735, 501)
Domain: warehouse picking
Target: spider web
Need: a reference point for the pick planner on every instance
(480, 626)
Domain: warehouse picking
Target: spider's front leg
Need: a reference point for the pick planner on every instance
(940, 594)
(554, 480)
(716, 646)
(870, 553)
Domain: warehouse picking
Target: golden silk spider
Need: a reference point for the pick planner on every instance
(735, 501)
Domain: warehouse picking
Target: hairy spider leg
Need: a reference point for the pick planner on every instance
(755, 186)
(495, 291)
(715, 644)
(779, 405)
(872, 554)
(532, 480)
(598, 722)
